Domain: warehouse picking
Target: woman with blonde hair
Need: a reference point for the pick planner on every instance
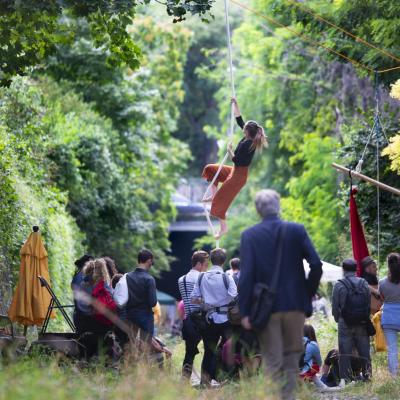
(233, 178)
(101, 290)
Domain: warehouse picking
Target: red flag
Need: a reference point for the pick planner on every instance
(360, 248)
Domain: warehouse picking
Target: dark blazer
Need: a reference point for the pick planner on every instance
(258, 257)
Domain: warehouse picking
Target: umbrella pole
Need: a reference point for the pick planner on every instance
(365, 178)
(25, 330)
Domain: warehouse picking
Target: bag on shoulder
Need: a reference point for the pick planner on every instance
(264, 296)
(199, 317)
(233, 307)
(357, 304)
(234, 316)
(199, 320)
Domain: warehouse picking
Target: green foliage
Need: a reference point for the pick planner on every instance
(27, 197)
(119, 174)
(312, 200)
(33, 29)
(375, 21)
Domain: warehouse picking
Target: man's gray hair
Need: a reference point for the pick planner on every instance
(268, 202)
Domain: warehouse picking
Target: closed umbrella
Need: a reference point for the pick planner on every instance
(31, 301)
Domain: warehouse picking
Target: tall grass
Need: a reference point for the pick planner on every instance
(48, 378)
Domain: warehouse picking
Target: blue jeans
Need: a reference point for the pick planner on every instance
(391, 341)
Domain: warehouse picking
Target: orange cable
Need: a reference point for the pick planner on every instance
(305, 37)
(357, 38)
(382, 71)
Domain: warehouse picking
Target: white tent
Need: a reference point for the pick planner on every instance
(331, 273)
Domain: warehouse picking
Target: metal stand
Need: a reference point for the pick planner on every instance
(54, 305)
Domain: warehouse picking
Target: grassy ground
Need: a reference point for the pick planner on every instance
(41, 378)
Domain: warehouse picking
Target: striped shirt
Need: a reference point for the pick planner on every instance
(191, 278)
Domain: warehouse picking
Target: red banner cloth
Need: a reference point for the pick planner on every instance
(360, 248)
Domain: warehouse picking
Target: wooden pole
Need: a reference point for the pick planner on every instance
(356, 174)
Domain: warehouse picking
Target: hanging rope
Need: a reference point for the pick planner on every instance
(378, 192)
(232, 116)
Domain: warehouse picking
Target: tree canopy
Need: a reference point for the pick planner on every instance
(32, 30)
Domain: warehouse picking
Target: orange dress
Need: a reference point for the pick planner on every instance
(232, 179)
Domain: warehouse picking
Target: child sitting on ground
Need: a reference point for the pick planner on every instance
(311, 361)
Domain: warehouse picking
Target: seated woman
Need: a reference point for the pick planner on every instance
(233, 178)
(311, 361)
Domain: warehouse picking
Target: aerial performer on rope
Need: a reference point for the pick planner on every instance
(232, 179)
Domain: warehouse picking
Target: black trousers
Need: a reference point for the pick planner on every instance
(353, 337)
(192, 338)
(92, 335)
(214, 336)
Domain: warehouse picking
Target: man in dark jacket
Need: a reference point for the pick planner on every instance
(281, 341)
(351, 333)
(136, 293)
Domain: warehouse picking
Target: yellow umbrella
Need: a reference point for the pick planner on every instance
(31, 301)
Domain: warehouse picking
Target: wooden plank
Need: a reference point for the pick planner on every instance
(366, 178)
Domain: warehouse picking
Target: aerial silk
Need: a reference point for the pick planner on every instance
(360, 248)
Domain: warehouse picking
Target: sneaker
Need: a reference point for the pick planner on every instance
(343, 383)
(214, 384)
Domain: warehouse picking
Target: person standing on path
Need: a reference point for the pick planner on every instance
(351, 299)
(190, 334)
(214, 291)
(389, 289)
(136, 292)
(370, 274)
(281, 341)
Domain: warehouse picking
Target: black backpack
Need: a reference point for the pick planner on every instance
(357, 304)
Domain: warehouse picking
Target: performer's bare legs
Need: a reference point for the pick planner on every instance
(223, 229)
